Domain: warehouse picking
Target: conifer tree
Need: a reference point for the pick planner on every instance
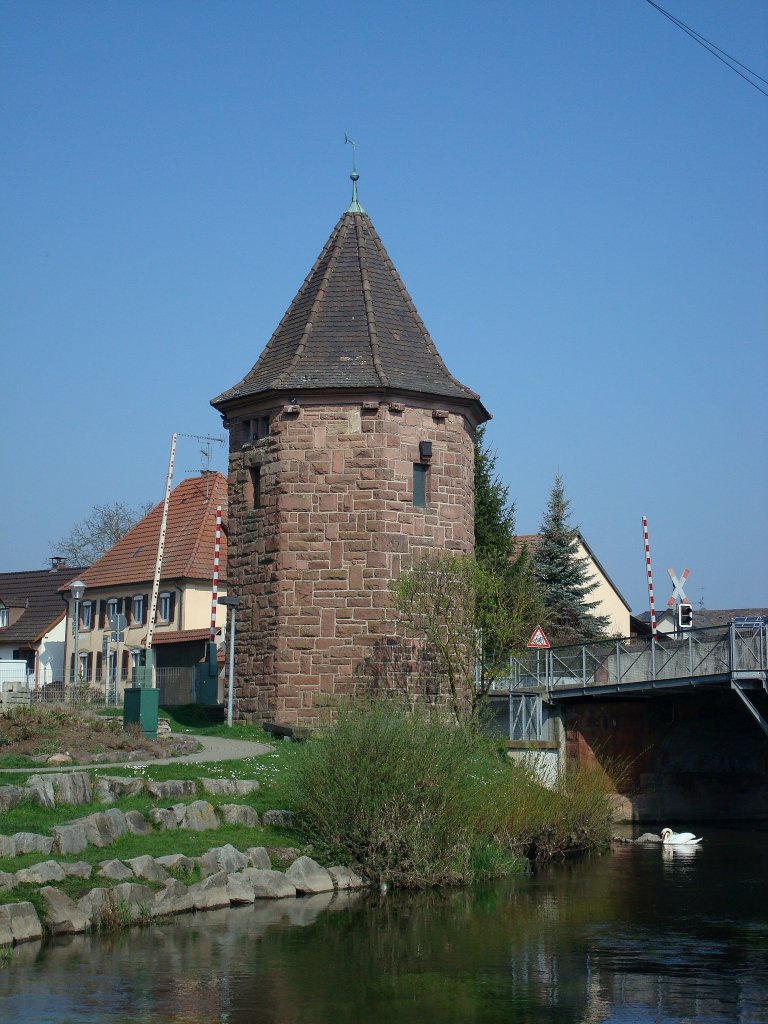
(564, 576)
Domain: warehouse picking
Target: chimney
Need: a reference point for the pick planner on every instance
(58, 562)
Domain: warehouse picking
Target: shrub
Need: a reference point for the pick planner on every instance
(573, 816)
(402, 794)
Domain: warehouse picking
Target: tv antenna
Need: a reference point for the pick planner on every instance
(206, 452)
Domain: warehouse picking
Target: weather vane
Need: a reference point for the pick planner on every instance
(354, 206)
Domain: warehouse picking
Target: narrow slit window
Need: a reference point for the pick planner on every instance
(253, 487)
(420, 473)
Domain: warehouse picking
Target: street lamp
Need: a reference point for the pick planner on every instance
(231, 602)
(77, 589)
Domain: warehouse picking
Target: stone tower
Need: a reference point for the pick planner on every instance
(351, 451)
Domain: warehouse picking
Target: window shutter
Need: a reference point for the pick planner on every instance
(172, 609)
(145, 610)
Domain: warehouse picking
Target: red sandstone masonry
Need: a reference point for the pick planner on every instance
(312, 565)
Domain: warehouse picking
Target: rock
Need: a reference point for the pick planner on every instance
(239, 814)
(7, 846)
(172, 787)
(38, 874)
(163, 818)
(239, 888)
(200, 816)
(41, 791)
(211, 892)
(229, 787)
(71, 838)
(114, 869)
(137, 898)
(136, 823)
(309, 877)
(141, 755)
(284, 855)
(62, 915)
(278, 819)
(146, 867)
(30, 842)
(163, 727)
(94, 903)
(258, 858)
(269, 885)
(103, 827)
(345, 878)
(7, 881)
(110, 787)
(77, 869)
(176, 862)
(19, 923)
(222, 858)
(10, 796)
(648, 837)
(72, 788)
(59, 759)
(173, 898)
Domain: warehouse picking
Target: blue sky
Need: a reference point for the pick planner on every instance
(573, 192)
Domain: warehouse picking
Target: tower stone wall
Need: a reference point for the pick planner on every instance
(335, 523)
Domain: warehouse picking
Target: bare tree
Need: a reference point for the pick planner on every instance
(104, 525)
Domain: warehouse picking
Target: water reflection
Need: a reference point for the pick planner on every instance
(634, 937)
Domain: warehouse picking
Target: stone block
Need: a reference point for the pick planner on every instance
(41, 791)
(309, 877)
(137, 898)
(7, 880)
(229, 787)
(62, 915)
(200, 816)
(222, 858)
(239, 814)
(345, 878)
(146, 867)
(164, 818)
(71, 838)
(115, 870)
(173, 898)
(136, 823)
(19, 923)
(39, 874)
(77, 869)
(239, 888)
(176, 862)
(211, 892)
(7, 846)
(258, 858)
(111, 787)
(30, 842)
(10, 796)
(172, 788)
(72, 788)
(268, 884)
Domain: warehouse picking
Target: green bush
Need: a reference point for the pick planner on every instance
(573, 816)
(402, 794)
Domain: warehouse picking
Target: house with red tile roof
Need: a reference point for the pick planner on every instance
(32, 620)
(120, 584)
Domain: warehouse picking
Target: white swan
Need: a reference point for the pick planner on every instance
(670, 838)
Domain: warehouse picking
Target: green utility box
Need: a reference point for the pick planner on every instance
(140, 704)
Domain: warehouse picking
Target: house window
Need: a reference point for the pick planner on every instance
(3, 616)
(135, 663)
(137, 609)
(99, 665)
(257, 429)
(86, 615)
(112, 607)
(253, 487)
(420, 474)
(165, 607)
(84, 674)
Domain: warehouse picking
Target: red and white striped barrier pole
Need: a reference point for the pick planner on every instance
(650, 574)
(215, 588)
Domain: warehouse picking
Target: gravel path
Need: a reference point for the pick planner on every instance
(215, 748)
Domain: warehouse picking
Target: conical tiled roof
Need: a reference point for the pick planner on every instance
(352, 325)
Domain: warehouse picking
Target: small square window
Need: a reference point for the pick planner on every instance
(420, 472)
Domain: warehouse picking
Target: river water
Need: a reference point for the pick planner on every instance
(639, 935)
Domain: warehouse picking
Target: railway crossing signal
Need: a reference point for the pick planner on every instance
(685, 616)
(678, 594)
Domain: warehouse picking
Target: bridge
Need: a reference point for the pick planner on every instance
(732, 657)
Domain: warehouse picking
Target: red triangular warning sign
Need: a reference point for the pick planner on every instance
(538, 639)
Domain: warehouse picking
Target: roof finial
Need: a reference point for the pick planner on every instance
(354, 206)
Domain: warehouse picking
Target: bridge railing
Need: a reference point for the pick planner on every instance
(715, 652)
